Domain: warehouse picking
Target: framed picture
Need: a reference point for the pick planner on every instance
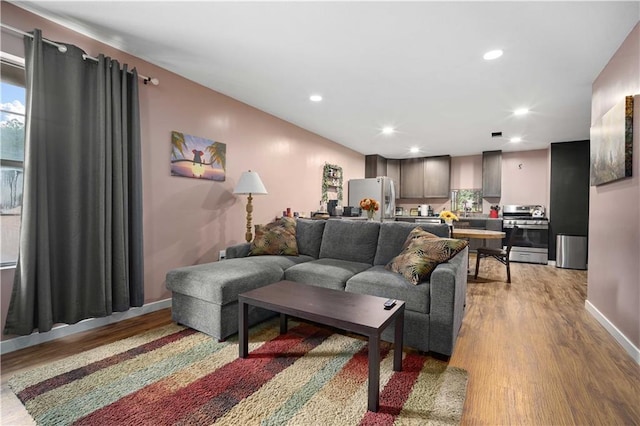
(198, 158)
(413, 212)
(612, 144)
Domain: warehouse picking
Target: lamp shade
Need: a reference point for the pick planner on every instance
(250, 183)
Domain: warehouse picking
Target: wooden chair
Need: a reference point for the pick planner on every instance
(502, 255)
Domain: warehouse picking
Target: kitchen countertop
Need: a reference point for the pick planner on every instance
(460, 218)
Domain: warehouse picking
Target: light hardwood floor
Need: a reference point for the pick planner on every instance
(534, 355)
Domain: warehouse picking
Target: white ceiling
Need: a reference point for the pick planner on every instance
(414, 65)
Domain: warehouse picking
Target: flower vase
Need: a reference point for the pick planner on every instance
(370, 214)
(449, 222)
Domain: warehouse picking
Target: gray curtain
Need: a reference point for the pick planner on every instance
(81, 237)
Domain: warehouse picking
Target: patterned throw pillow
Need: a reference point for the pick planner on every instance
(415, 234)
(422, 253)
(277, 237)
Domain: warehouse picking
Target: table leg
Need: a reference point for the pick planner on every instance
(243, 329)
(374, 373)
(398, 341)
(283, 323)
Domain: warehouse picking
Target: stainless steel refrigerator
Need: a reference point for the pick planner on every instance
(382, 189)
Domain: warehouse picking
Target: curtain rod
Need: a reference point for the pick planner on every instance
(62, 48)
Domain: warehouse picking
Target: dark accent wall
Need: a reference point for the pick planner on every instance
(569, 195)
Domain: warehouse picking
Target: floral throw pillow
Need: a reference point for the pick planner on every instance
(421, 255)
(277, 238)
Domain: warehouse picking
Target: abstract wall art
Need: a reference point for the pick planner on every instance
(196, 157)
(612, 144)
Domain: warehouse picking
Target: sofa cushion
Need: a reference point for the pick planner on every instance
(377, 281)
(309, 236)
(278, 237)
(328, 273)
(283, 262)
(421, 256)
(350, 240)
(221, 282)
(393, 235)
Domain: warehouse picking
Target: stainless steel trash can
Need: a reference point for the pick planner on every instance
(571, 252)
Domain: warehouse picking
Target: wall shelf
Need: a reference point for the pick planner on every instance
(331, 183)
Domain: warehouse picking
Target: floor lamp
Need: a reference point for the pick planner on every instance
(250, 184)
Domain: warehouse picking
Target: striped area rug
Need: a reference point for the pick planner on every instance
(177, 376)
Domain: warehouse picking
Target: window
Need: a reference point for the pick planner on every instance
(12, 118)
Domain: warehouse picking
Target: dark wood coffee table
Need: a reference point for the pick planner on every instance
(357, 313)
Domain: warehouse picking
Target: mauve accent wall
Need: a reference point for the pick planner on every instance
(525, 177)
(187, 221)
(614, 208)
(466, 172)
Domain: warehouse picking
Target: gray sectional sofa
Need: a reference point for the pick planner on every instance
(340, 254)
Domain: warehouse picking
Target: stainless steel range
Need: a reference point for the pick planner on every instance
(531, 243)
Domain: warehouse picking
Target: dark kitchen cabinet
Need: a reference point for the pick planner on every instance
(374, 166)
(393, 171)
(492, 174)
(412, 178)
(437, 177)
(426, 177)
(493, 225)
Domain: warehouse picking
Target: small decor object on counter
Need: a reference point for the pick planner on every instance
(370, 205)
(448, 217)
(494, 212)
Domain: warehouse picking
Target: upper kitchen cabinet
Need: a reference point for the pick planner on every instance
(412, 178)
(427, 177)
(374, 166)
(437, 177)
(492, 174)
(393, 171)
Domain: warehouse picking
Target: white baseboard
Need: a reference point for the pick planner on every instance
(63, 330)
(613, 330)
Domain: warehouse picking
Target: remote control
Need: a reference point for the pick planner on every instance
(390, 303)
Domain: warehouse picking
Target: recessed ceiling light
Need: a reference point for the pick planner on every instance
(315, 98)
(388, 130)
(414, 149)
(521, 111)
(493, 54)
(515, 140)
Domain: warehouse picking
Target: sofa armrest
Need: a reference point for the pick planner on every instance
(448, 289)
(239, 250)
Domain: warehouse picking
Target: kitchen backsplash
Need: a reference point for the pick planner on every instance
(466, 200)
(471, 198)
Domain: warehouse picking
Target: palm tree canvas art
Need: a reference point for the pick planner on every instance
(196, 157)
